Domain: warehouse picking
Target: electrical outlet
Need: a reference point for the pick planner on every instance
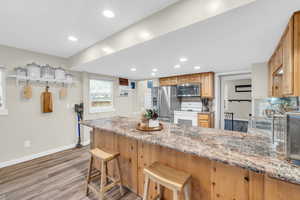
(27, 143)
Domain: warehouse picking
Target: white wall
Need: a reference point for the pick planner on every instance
(259, 80)
(142, 90)
(52, 131)
(25, 120)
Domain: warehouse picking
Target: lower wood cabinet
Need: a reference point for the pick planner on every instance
(206, 120)
(211, 180)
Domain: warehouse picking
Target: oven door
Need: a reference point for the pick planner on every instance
(186, 117)
(189, 90)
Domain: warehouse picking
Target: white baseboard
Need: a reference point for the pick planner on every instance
(38, 155)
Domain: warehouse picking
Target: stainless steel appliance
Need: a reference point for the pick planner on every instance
(165, 100)
(293, 135)
(189, 90)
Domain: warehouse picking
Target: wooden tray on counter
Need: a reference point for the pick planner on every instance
(149, 129)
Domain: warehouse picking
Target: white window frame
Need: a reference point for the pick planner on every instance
(3, 111)
(101, 109)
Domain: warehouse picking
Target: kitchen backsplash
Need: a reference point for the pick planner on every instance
(277, 105)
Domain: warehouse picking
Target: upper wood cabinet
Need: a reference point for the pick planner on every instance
(207, 86)
(168, 81)
(284, 65)
(205, 79)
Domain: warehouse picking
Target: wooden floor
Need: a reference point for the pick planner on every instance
(59, 176)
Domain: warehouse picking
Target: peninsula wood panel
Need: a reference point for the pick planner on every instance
(198, 167)
(229, 182)
(210, 180)
(256, 186)
(127, 148)
(280, 190)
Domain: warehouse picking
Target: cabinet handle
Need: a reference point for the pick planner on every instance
(246, 178)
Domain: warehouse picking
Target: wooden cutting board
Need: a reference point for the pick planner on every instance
(47, 105)
(63, 92)
(27, 92)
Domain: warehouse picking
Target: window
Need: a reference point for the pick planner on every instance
(2, 92)
(101, 96)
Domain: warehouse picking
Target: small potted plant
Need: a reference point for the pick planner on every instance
(149, 118)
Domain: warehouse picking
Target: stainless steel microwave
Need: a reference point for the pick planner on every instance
(292, 133)
(189, 90)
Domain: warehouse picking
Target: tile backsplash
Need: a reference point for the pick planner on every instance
(278, 105)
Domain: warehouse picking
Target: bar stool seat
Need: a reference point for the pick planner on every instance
(105, 185)
(168, 177)
(102, 155)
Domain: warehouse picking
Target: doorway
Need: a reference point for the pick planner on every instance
(235, 101)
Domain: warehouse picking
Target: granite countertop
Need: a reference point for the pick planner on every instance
(253, 151)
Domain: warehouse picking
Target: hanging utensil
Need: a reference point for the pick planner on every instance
(47, 104)
(27, 91)
(63, 92)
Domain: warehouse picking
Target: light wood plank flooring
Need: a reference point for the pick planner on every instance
(59, 176)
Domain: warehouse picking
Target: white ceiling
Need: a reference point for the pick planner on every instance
(44, 25)
(228, 42)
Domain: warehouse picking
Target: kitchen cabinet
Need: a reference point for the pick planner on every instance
(284, 65)
(166, 81)
(207, 86)
(183, 79)
(205, 79)
(206, 120)
(287, 64)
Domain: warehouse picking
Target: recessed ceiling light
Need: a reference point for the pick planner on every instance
(177, 66)
(145, 35)
(153, 74)
(133, 69)
(214, 6)
(108, 14)
(183, 59)
(107, 50)
(73, 38)
(154, 70)
(197, 67)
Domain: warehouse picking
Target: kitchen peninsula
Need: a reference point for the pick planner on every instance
(223, 164)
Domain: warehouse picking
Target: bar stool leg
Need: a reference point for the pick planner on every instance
(103, 178)
(160, 191)
(186, 189)
(175, 194)
(146, 187)
(89, 176)
(120, 176)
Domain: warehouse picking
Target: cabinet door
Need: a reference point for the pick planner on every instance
(203, 124)
(173, 80)
(277, 85)
(163, 81)
(207, 87)
(278, 58)
(288, 66)
(183, 79)
(194, 78)
(270, 78)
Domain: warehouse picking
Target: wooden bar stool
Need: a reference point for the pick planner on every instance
(168, 177)
(104, 157)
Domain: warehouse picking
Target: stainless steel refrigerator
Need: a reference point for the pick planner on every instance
(165, 100)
